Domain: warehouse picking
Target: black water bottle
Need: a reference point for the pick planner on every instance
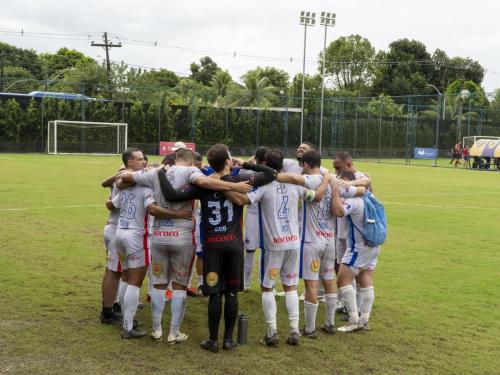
(242, 329)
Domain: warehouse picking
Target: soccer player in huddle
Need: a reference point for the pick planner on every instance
(359, 261)
(222, 241)
(132, 243)
(317, 243)
(173, 245)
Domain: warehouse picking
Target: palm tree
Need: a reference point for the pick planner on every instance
(221, 82)
(257, 92)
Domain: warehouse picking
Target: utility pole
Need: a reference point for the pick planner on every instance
(2, 56)
(107, 46)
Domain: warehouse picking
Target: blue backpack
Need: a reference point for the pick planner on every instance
(375, 223)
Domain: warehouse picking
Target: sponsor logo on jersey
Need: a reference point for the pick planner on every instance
(212, 278)
(315, 265)
(321, 233)
(285, 239)
(221, 238)
(157, 269)
(166, 233)
(273, 273)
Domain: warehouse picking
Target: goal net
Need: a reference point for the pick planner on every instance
(82, 137)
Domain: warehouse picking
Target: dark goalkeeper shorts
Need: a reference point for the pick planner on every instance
(222, 270)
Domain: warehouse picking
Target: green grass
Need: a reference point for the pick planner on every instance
(437, 294)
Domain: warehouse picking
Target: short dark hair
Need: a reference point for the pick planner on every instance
(313, 158)
(309, 144)
(274, 159)
(128, 154)
(260, 154)
(346, 175)
(197, 156)
(343, 155)
(184, 154)
(217, 156)
(169, 159)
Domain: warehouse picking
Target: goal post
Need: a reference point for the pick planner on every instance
(84, 137)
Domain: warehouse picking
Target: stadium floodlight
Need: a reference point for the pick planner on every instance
(83, 137)
(306, 19)
(327, 19)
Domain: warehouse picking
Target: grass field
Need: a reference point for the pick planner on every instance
(437, 285)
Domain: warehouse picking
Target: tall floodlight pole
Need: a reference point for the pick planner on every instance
(327, 19)
(440, 98)
(306, 19)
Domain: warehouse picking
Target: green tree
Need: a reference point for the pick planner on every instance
(350, 63)
(204, 71)
(277, 78)
(256, 92)
(221, 82)
(22, 58)
(64, 58)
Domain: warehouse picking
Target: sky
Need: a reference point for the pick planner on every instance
(240, 35)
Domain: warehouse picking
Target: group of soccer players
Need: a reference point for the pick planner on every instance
(306, 221)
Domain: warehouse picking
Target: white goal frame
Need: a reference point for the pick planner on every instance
(52, 136)
(470, 140)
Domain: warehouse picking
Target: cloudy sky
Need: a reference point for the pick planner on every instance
(240, 35)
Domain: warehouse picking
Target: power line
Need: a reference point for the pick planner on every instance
(107, 46)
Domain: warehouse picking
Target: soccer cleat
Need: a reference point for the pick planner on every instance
(210, 345)
(272, 341)
(302, 297)
(200, 291)
(350, 327)
(309, 335)
(229, 344)
(192, 292)
(293, 339)
(168, 295)
(148, 298)
(322, 298)
(364, 326)
(133, 334)
(108, 317)
(330, 329)
(117, 310)
(172, 340)
(157, 335)
(140, 305)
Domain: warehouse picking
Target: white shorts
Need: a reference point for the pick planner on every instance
(172, 263)
(279, 263)
(340, 249)
(318, 261)
(132, 248)
(113, 261)
(251, 231)
(364, 260)
(197, 239)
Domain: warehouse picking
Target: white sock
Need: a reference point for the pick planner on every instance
(330, 302)
(122, 288)
(269, 307)
(150, 279)
(349, 297)
(121, 285)
(157, 306)
(200, 280)
(130, 303)
(367, 295)
(292, 306)
(177, 308)
(249, 256)
(310, 310)
(359, 301)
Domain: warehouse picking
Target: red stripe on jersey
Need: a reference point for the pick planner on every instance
(119, 268)
(145, 240)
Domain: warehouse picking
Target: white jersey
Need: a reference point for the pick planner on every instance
(279, 214)
(132, 203)
(355, 217)
(173, 231)
(341, 223)
(113, 214)
(293, 166)
(318, 223)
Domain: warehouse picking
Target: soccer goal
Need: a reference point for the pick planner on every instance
(82, 137)
(469, 141)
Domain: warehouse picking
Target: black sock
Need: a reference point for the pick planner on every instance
(214, 315)
(230, 314)
(107, 312)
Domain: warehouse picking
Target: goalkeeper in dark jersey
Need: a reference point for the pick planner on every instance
(222, 240)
